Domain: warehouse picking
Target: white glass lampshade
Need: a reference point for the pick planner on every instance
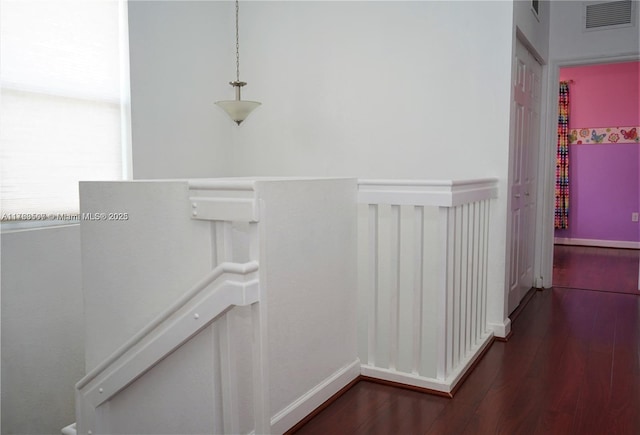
(238, 110)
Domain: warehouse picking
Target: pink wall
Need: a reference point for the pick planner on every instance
(604, 178)
(604, 95)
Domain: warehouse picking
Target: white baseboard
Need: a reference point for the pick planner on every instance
(406, 378)
(501, 330)
(444, 386)
(598, 243)
(308, 402)
(468, 362)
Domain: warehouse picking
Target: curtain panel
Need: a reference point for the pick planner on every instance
(562, 160)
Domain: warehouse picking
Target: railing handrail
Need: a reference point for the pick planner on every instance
(231, 268)
(441, 193)
(420, 182)
(222, 184)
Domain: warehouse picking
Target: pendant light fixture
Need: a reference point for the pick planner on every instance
(237, 109)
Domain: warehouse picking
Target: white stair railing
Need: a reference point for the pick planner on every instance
(228, 285)
(423, 279)
(231, 208)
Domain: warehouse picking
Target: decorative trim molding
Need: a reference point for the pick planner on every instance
(314, 398)
(441, 193)
(224, 200)
(597, 243)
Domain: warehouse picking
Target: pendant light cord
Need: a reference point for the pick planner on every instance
(237, 43)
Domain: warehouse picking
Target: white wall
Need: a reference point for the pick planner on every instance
(42, 329)
(375, 89)
(534, 28)
(382, 90)
(182, 58)
(309, 270)
(132, 270)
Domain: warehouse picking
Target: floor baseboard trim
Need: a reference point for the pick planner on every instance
(322, 407)
(501, 330)
(456, 383)
(420, 383)
(374, 375)
(473, 366)
(504, 339)
(597, 243)
(406, 386)
(301, 410)
(560, 287)
(439, 387)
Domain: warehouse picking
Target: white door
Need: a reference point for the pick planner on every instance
(525, 112)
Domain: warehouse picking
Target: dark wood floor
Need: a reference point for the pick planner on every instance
(584, 267)
(572, 366)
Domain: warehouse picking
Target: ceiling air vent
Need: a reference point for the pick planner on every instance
(608, 14)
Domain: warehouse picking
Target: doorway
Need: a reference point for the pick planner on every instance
(604, 179)
(544, 257)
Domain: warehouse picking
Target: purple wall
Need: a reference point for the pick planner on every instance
(604, 178)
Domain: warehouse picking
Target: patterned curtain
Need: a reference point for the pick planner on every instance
(562, 160)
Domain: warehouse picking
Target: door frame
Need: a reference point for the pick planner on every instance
(543, 261)
(536, 155)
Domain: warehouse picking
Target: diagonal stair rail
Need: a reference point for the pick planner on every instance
(226, 286)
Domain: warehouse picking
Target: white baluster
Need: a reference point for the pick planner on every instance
(457, 289)
(469, 287)
(373, 277)
(485, 267)
(228, 365)
(464, 284)
(474, 274)
(218, 399)
(418, 287)
(261, 407)
(395, 229)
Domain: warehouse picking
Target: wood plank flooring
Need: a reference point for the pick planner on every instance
(583, 267)
(572, 366)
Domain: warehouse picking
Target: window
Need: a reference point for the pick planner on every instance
(64, 96)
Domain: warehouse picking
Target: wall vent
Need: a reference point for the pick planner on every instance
(602, 15)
